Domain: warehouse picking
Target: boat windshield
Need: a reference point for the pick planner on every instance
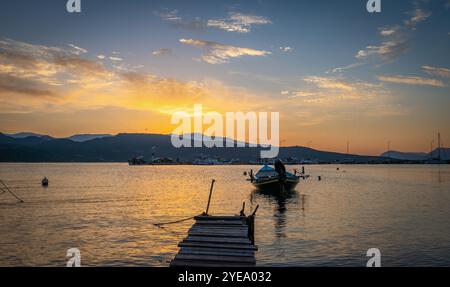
(266, 171)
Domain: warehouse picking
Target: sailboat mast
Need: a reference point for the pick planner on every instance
(431, 150)
(439, 146)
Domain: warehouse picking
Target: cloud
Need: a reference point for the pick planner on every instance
(168, 15)
(78, 50)
(331, 93)
(101, 57)
(14, 85)
(162, 52)
(216, 53)
(234, 22)
(344, 68)
(44, 78)
(116, 59)
(238, 22)
(387, 51)
(417, 16)
(41, 68)
(286, 49)
(397, 79)
(439, 72)
(177, 21)
(328, 83)
(395, 38)
(389, 31)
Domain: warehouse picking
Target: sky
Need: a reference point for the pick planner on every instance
(333, 71)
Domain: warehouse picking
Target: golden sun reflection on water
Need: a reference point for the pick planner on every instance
(108, 212)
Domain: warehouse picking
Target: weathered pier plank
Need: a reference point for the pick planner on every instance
(218, 241)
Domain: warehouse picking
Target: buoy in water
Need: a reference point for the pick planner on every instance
(45, 182)
(319, 178)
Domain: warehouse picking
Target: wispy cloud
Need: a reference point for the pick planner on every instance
(407, 80)
(168, 15)
(10, 84)
(78, 50)
(216, 53)
(331, 91)
(417, 16)
(439, 72)
(34, 77)
(394, 43)
(344, 68)
(286, 49)
(238, 22)
(395, 38)
(387, 51)
(27, 69)
(389, 31)
(162, 52)
(116, 59)
(328, 83)
(177, 21)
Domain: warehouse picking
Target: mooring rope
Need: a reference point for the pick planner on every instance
(174, 222)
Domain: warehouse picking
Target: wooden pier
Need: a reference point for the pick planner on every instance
(218, 241)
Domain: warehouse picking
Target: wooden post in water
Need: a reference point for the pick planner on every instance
(242, 213)
(251, 225)
(210, 193)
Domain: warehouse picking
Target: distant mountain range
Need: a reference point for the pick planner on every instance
(75, 138)
(88, 137)
(30, 147)
(122, 147)
(417, 156)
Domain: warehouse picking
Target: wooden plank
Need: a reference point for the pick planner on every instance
(184, 263)
(215, 258)
(218, 234)
(223, 230)
(235, 234)
(218, 245)
(220, 222)
(217, 251)
(212, 232)
(213, 227)
(201, 217)
(218, 239)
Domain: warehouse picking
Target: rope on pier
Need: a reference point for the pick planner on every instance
(5, 188)
(192, 217)
(174, 222)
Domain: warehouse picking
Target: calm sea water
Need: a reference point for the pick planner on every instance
(108, 211)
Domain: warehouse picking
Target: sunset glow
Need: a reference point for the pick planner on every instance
(366, 79)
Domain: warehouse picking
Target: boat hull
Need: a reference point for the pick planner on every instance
(275, 185)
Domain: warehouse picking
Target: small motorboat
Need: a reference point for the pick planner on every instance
(275, 180)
